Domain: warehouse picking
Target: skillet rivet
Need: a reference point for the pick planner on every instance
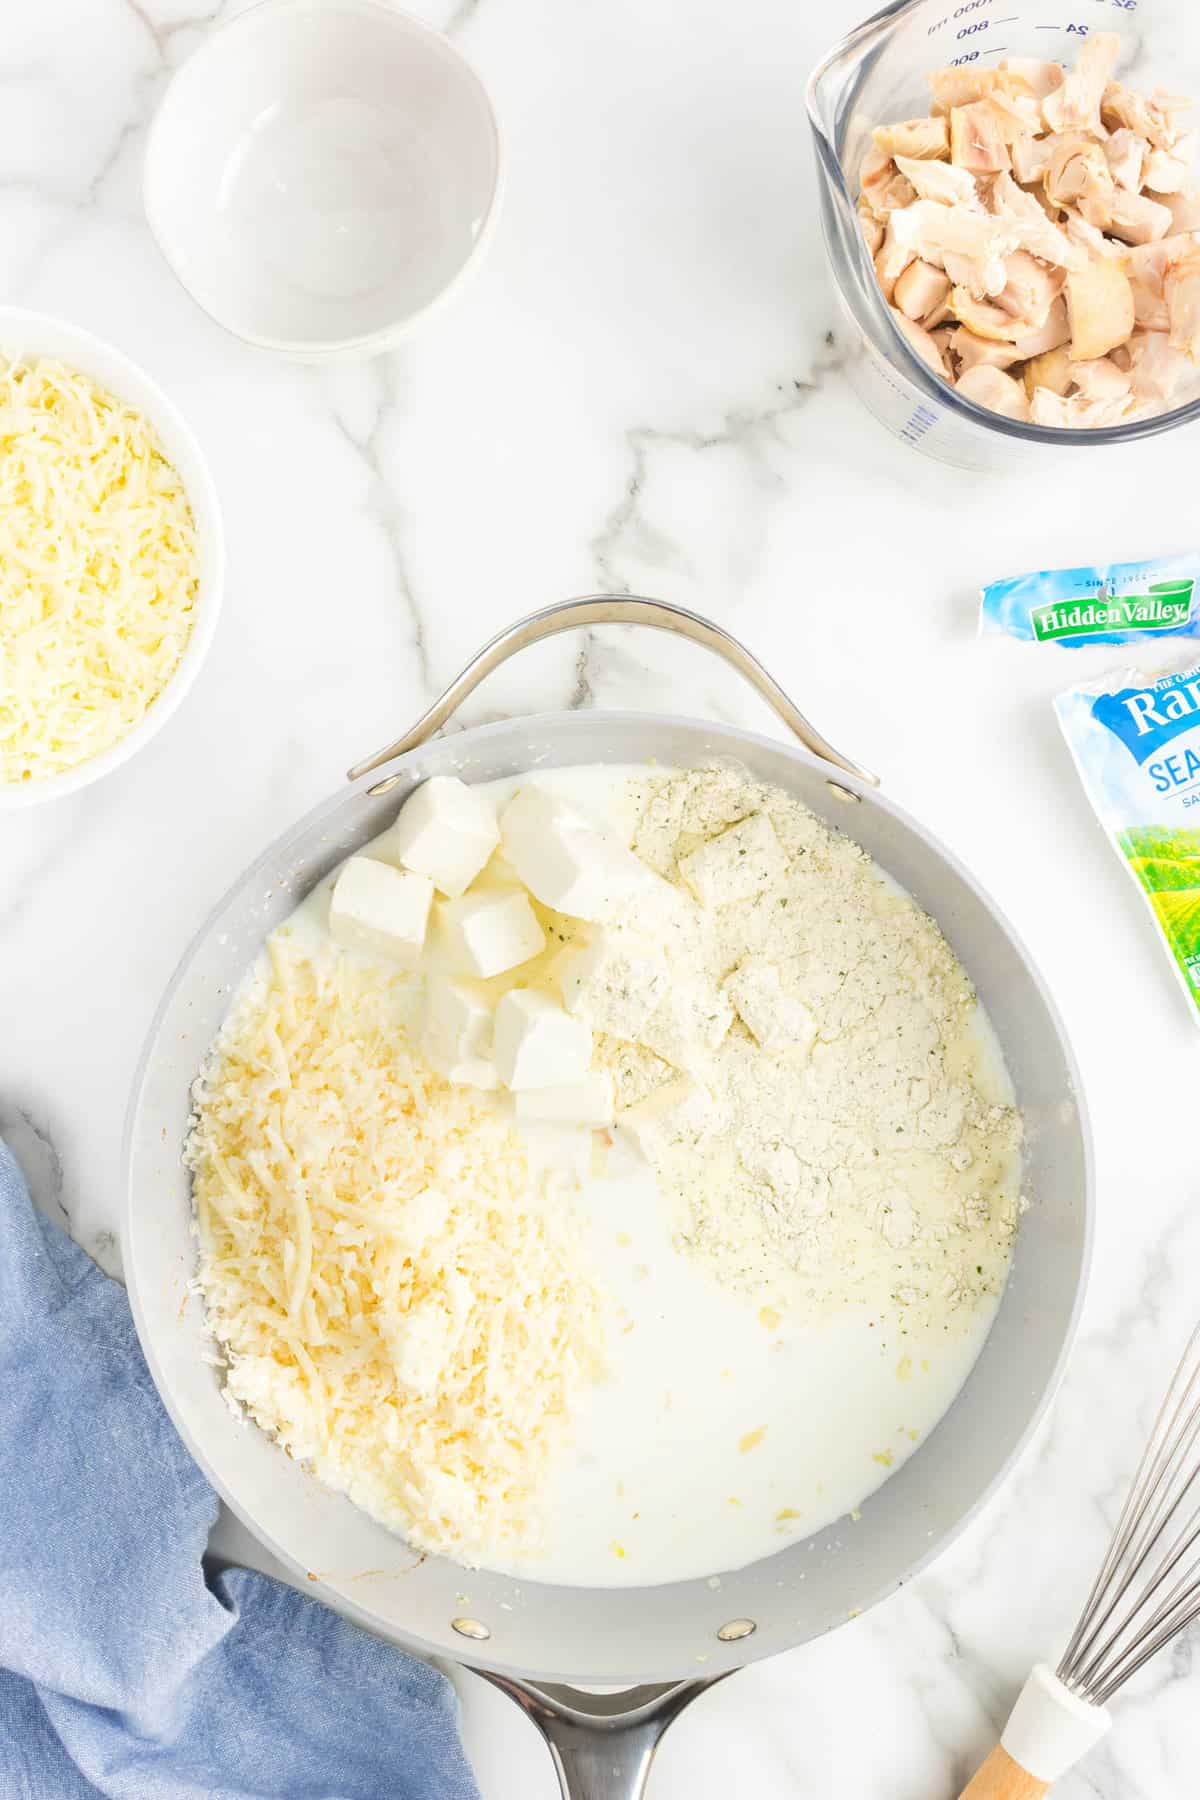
(835, 787)
(384, 787)
(736, 1628)
(473, 1628)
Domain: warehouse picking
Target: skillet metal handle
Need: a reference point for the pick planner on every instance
(607, 609)
(602, 1745)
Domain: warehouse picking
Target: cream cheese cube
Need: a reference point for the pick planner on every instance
(738, 864)
(616, 983)
(492, 932)
(680, 1112)
(456, 1032)
(564, 861)
(773, 1017)
(380, 910)
(447, 831)
(536, 1044)
(476, 1072)
(588, 1101)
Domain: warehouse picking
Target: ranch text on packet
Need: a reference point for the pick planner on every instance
(1135, 737)
(1101, 603)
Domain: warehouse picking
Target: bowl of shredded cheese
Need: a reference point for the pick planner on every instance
(111, 558)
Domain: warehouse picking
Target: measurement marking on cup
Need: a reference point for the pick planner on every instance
(919, 421)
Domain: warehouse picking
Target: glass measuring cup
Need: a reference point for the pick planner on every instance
(876, 75)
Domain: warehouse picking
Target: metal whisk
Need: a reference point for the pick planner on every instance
(1146, 1593)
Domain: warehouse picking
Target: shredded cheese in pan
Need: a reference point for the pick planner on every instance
(98, 570)
(398, 1304)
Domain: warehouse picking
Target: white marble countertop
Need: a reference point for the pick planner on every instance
(641, 390)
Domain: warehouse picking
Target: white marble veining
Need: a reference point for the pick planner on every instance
(640, 390)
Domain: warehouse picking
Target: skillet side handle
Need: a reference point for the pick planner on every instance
(609, 609)
(602, 1745)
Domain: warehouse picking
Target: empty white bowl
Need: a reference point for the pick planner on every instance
(30, 335)
(321, 174)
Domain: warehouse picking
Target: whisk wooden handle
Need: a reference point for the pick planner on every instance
(1048, 1730)
(1001, 1778)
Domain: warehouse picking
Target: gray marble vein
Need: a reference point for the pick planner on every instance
(642, 391)
(383, 506)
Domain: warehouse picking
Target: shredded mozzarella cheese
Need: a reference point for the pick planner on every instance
(98, 570)
(398, 1305)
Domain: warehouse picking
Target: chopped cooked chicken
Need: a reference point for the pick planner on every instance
(977, 241)
(942, 337)
(940, 181)
(1147, 265)
(884, 188)
(913, 137)
(1089, 238)
(1075, 106)
(1030, 156)
(977, 140)
(1017, 115)
(891, 259)
(1100, 308)
(1126, 153)
(1024, 216)
(1136, 219)
(1181, 287)
(1167, 171)
(983, 279)
(1100, 380)
(1031, 289)
(992, 388)
(1037, 240)
(1074, 411)
(920, 290)
(959, 87)
(872, 229)
(1056, 331)
(1053, 369)
(984, 320)
(1184, 209)
(925, 346)
(1162, 376)
(1023, 74)
(971, 350)
(1148, 117)
(1077, 174)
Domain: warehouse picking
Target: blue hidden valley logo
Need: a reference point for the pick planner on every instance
(1147, 718)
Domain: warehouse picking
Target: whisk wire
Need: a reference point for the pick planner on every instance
(1150, 1647)
(1168, 1558)
(1127, 1616)
(1145, 1479)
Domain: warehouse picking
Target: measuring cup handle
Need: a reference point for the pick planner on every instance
(607, 609)
(602, 1745)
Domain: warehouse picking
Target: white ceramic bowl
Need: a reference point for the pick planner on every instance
(30, 335)
(322, 174)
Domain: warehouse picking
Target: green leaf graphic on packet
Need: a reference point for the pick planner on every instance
(1113, 603)
(1135, 737)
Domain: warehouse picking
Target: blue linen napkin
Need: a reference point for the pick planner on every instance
(122, 1673)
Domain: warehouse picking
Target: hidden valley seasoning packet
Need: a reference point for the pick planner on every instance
(1135, 737)
(1104, 603)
